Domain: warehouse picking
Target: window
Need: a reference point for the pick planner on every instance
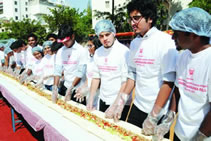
(107, 4)
(15, 2)
(26, 9)
(16, 9)
(26, 3)
(16, 17)
(27, 16)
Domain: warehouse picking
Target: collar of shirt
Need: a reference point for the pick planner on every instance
(150, 32)
(74, 46)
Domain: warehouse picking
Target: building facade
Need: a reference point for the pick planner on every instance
(33, 9)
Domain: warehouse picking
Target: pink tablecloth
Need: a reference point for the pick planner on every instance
(32, 118)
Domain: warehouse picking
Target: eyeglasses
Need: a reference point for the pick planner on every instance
(89, 46)
(135, 19)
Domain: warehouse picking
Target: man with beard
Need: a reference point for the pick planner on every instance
(152, 61)
(192, 32)
(110, 68)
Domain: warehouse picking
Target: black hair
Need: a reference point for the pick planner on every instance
(56, 46)
(17, 44)
(51, 35)
(95, 41)
(148, 9)
(65, 30)
(32, 35)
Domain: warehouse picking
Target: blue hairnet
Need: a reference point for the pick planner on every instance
(9, 42)
(47, 44)
(194, 20)
(104, 26)
(1, 45)
(7, 50)
(37, 48)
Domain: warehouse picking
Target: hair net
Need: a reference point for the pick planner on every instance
(9, 42)
(47, 44)
(104, 26)
(7, 50)
(37, 48)
(1, 45)
(194, 20)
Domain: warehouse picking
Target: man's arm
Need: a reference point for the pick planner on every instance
(56, 80)
(164, 93)
(130, 84)
(205, 127)
(76, 81)
(94, 86)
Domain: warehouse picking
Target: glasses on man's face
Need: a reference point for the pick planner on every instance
(135, 19)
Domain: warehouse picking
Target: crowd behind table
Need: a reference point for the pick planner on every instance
(103, 74)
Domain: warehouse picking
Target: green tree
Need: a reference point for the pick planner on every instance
(81, 21)
(21, 29)
(204, 4)
(119, 18)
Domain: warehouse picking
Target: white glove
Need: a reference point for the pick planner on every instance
(151, 121)
(89, 105)
(54, 94)
(109, 113)
(23, 78)
(199, 136)
(9, 70)
(16, 72)
(69, 93)
(81, 93)
(164, 126)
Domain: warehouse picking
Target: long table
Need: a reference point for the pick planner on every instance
(41, 117)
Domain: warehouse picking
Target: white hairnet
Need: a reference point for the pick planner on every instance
(104, 26)
(194, 20)
(7, 50)
(47, 44)
(37, 48)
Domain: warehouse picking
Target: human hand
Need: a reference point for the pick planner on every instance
(68, 93)
(199, 136)
(120, 102)
(81, 93)
(151, 121)
(164, 126)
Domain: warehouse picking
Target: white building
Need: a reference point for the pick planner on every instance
(106, 6)
(33, 9)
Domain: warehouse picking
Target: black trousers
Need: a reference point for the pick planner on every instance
(103, 108)
(176, 138)
(62, 91)
(137, 116)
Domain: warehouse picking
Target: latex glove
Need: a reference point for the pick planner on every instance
(39, 83)
(199, 136)
(89, 105)
(151, 121)
(81, 93)
(164, 126)
(9, 70)
(16, 72)
(109, 113)
(54, 94)
(69, 93)
(120, 102)
(23, 78)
